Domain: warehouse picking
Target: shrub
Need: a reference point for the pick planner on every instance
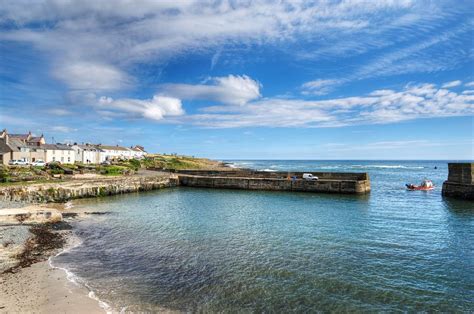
(135, 163)
(57, 171)
(4, 175)
(113, 170)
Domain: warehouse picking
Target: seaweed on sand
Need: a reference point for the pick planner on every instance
(44, 240)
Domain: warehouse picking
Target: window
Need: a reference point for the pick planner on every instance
(54, 158)
(62, 159)
(69, 159)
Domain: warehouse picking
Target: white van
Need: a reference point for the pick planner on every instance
(309, 177)
(19, 162)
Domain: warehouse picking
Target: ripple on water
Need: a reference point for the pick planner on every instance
(206, 250)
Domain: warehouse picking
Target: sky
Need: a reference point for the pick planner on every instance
(243, 79)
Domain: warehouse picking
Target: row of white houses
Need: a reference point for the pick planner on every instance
(89, 153)
(30, 148)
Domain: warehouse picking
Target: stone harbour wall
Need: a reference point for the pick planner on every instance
(275, 174)
(277, 184)
(61, 192)
(460, 183)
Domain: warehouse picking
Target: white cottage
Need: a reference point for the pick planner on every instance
(113, 152)
(86, 154)
(138, 151)
(59, 152)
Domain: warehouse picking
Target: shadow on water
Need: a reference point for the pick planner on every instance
(293, 194)
(458, 206)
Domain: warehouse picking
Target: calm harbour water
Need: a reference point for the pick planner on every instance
(240, 251)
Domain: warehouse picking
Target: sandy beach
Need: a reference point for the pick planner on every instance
(42, 289)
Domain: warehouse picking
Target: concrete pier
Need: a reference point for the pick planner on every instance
(329, 182)
(460, 183)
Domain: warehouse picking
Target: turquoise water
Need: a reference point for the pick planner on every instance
(251, 251)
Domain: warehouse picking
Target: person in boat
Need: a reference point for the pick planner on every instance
(427, 184)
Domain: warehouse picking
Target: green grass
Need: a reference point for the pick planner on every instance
(174, 162)
(113, 170)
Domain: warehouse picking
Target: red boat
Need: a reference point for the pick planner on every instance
(426, 185)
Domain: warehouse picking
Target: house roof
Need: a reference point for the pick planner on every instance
(35, 139)
(88, 147)
(19, 136)
(112, 147)
(15, 144)
(56, 147)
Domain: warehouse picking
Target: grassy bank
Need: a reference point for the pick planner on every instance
(175, 162)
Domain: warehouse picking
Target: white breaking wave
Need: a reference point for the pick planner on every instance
(71, 277)
(387, 166)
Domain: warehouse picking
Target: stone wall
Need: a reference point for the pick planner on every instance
(277, 174)
(61, 192)
(460, 183)
(461, 173)
(276, 184)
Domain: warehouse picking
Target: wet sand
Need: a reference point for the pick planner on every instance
(42, 289)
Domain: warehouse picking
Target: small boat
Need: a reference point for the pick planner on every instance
(426, 185)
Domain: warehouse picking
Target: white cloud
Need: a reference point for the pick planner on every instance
(232, 89)
(378, 107)
(469, 84)
(91, 76)
(452, 84)
(320, 86)
(156, 108)
(59, 111)
(62, 129)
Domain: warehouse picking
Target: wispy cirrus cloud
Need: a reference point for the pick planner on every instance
(106, 39)
(320, 86)
(62, 129)
(452, 84)
(90, 76)
(419, 57)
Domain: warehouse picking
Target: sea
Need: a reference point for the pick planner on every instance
(204, 250)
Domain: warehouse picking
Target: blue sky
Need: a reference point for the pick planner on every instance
(240, 80)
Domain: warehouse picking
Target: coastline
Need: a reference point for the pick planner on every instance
(32, 283)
